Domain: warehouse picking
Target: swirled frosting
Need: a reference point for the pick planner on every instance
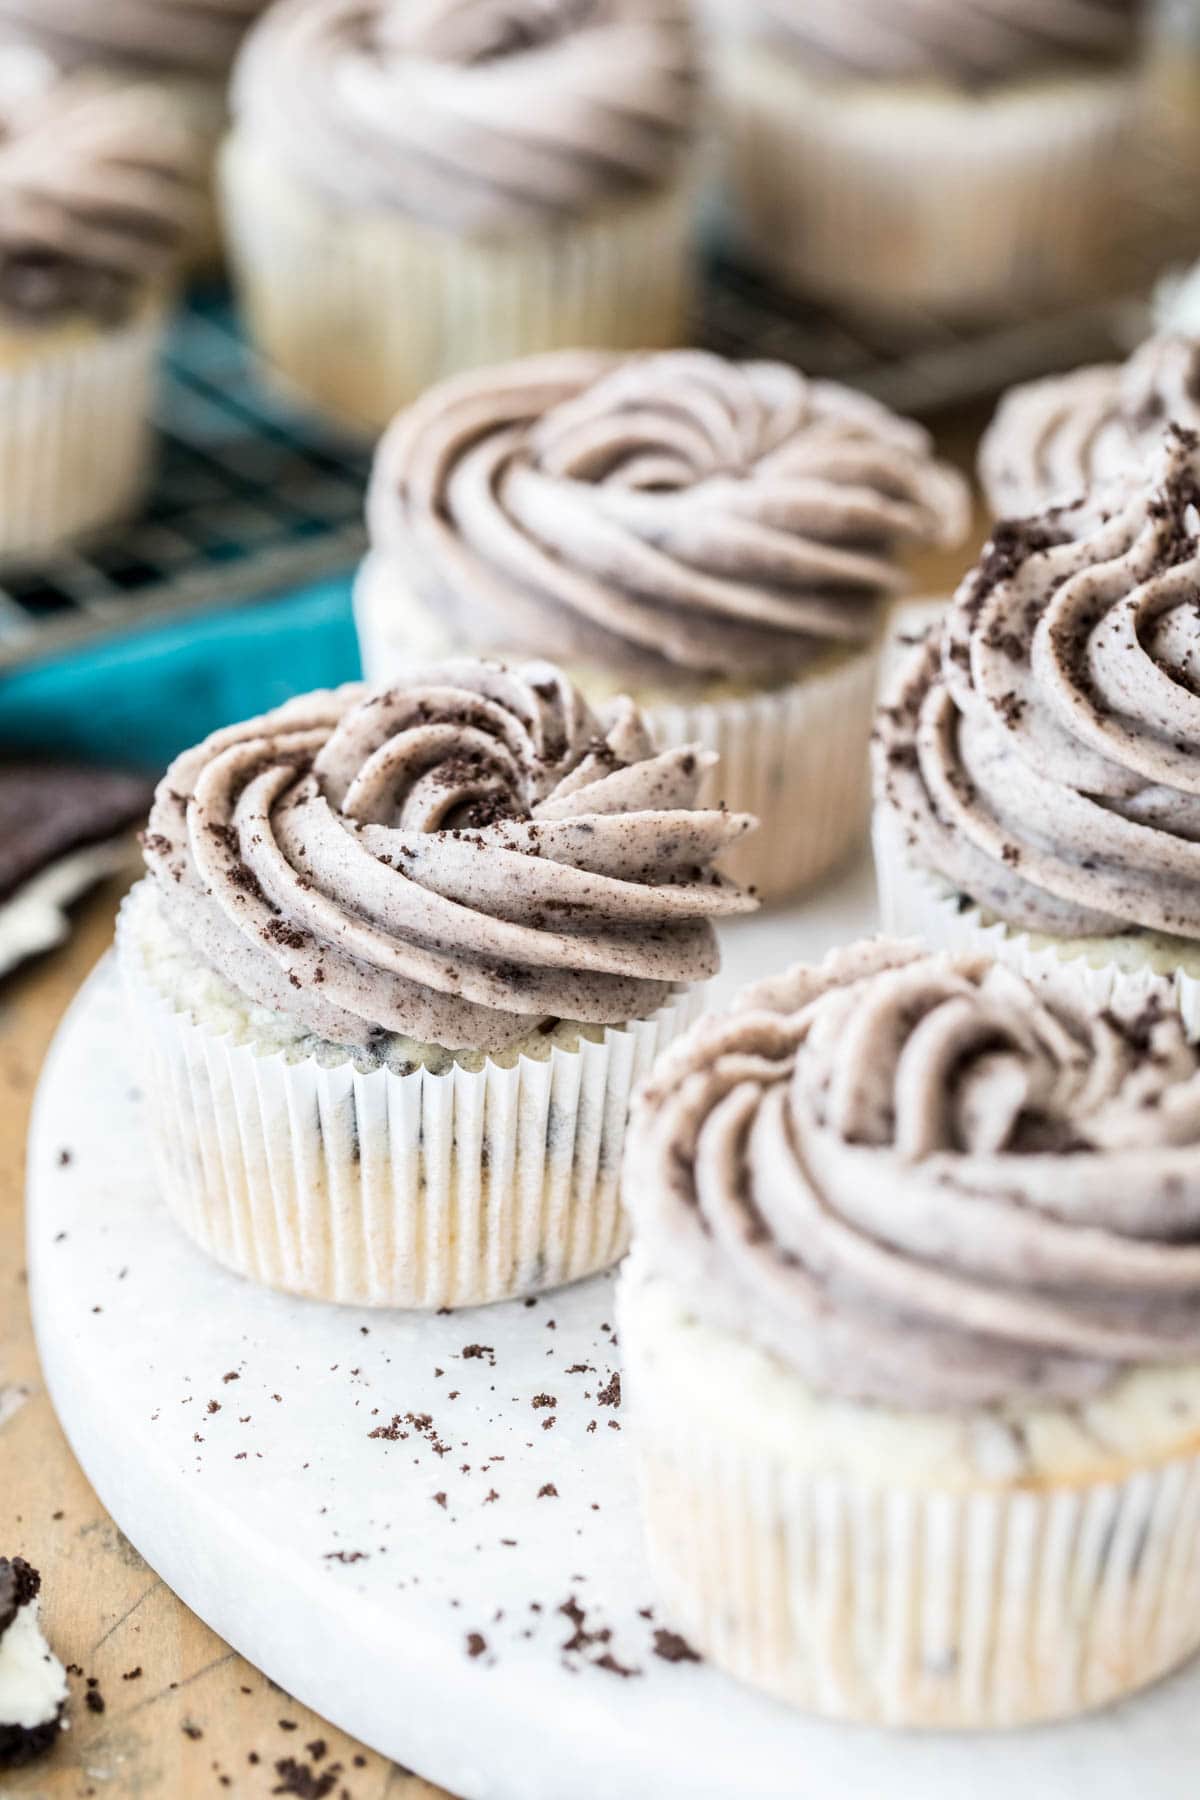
(455, 859)
(192, 35)
(485, 116)
(1041, 751)
(919, 1180)
(97, 191)
(664, 515)
(1052, 440)
(968, 41)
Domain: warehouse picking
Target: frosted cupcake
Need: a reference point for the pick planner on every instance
(400, 959)
(719, 538)
(95, 203)
(1053, 440)
(1037, 758)
(970, 156)
(187, 46)
(418, 186)
(911, 1334)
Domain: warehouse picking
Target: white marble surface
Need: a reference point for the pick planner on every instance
(325, 1555)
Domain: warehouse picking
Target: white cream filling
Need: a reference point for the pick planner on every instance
(33, 1683)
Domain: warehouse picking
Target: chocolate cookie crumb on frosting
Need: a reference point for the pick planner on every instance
(455, 859)
(1054, 440)
(33, 1683)
(919, 1180)
(484, 116)
(97, 192)
(667, 516)
(973, 43)
(1041, 750)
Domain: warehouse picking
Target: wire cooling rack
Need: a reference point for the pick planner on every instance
(254, 498)
(251, 498)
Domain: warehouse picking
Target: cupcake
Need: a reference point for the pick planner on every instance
(1037, 757)
(187, 46)
(95, 202)
(401, 956)
(911, 1334)
(1053, 440)
(414, 187)
(970, 156)
(718, 538)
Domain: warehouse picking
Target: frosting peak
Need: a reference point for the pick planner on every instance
(486, 116)
(664, 515)
(1041, 751)
(922, 1181)
(455, 859)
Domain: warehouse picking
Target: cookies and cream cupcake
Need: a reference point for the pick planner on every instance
(96, 200)
(1053, 440)
(969, 156)
(719, 538)
(1037, 757)
(418, 186)
(401, 957)
(187, 46)
(911, 1336)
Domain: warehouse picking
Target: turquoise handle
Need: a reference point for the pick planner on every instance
(138, 698)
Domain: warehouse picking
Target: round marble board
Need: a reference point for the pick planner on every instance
(425, 1527)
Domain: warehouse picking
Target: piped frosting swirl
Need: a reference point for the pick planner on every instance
(1053, 440)
(1041, 750)
(973, 42)
(455, 859)
(97, 191)
(483, 116)
(199, 36)
(920, 1181)
(665, 516)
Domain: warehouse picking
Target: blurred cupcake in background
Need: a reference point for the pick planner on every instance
(720, 539)
(1037, 758)
(413, 187)
(1055, 440)
(97, 198)
(966, 156)
(188, 45)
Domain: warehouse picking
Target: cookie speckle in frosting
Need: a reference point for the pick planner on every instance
(453, 859)
(1041, 750)
(920, 1180)
(664, 516)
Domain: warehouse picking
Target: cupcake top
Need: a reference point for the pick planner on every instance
(921, 1181)
(667, 516)
(97, 192)
(1041, 749)
(483, 116)
(1052, 440)
(457, 859)
(973, 42)
(199, 36)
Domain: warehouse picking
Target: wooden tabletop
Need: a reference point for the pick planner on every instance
(161, 1709)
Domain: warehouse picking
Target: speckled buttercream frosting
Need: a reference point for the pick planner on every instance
(1053, 440)
(96, 192)
(918, 1180)
(1041, 750)
(483, 116)
(970, 41)
(456, 859)
(668, 517)
(199, 36)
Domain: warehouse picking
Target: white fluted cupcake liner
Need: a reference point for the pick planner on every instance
(795, 757)
(75, 431)
(951, 1606)
(359, 313)
(417, 1190)
(884, 199)
(1121, 972)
